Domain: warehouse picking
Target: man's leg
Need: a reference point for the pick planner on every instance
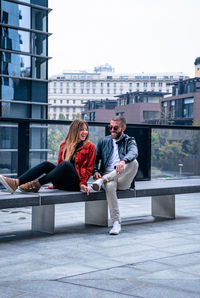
(125, 179)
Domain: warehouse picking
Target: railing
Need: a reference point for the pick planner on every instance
(164, 151)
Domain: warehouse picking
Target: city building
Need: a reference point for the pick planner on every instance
(184, 105)
(99, 110)
(23, 76)
(139, 107)
(69, 91)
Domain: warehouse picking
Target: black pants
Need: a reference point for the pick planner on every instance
(64, 176)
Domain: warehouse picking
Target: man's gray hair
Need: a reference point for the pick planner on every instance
(119, 118)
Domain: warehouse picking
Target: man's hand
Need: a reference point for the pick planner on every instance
(120, 167)
(96, 176)
(84, 188)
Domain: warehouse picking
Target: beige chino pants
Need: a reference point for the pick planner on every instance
(118, 182)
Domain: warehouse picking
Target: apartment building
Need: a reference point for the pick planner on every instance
(69, 91)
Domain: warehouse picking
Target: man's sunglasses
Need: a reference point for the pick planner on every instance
(115, 128)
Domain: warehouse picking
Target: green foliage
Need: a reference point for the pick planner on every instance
(171, 154)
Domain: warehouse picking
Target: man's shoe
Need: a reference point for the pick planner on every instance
(9, 183)
(97, 184)
(116, 229)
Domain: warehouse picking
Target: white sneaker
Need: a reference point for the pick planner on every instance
(97, 184)
(116, 229)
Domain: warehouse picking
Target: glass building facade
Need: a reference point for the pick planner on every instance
(23, 77)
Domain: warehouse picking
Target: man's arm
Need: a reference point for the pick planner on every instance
(132, 151)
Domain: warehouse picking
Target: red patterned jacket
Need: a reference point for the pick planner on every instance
(84, 161)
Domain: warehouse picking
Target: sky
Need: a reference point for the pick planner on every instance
(133, 36)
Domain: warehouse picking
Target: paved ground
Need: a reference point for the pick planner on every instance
(149, 259)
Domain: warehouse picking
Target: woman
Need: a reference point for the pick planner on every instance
(75, 165)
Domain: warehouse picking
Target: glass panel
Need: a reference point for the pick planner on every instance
(15, 65)
(39, 19)
(15, 40)
(175, 153)
(39, 44)
(38, 144)
(39, 112)
(39, 68)
(39, 92)
(15, 110)
(40, 2)
(15, 89)
(8, 149)
(15, 14)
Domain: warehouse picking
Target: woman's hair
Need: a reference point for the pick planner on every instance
(72, 139)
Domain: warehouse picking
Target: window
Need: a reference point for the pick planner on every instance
(61, 109)
(115, 84)
(74, 84)
(54, 83)
(61, 91)
(67, 84)
(159, 84)
(61, 101)
(114, 91)
(93, 91)
(121, 91)
(164, 109)
(188, 105)
(67, 117)
(82, 84)
(67, 109)
(54, 109)
(74, 102)
(152, 84)
(145, 84)
(108, 91)
(101, 91)
(82, 101)
(82, 91)
(93, 84)
(67, 101)
(54, 101)
(88, 84)
(88, 91)
(101, 84)
(108, 84)
(74, 91)
(137, 85)
(54, 90)
(172, 109)
(67, 90)
(74, 110)
(61, 84)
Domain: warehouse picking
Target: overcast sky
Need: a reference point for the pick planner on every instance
(131, 35)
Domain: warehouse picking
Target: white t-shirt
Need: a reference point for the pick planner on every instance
(114, 159)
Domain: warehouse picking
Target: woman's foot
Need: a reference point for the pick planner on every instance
(9, 183)
(32, 186)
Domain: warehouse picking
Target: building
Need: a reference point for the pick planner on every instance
(69, 91)
(23, 74)
(139, 107)
(99, 110)
(184, 105)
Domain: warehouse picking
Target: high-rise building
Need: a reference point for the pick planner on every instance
(69, 91)
(24, 59)
(23, 80)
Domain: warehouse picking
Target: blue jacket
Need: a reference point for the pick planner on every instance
(127, 149)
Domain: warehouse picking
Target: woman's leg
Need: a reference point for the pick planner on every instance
(32, 174)
(64, 176)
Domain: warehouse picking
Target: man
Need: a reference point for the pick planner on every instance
(117, 154)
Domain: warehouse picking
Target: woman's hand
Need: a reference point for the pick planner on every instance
(85, 188)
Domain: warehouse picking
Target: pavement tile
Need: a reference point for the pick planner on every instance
(6, 292)
(158, 291)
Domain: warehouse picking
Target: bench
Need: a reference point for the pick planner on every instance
(162, 193)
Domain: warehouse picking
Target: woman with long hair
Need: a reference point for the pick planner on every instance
(75, 165)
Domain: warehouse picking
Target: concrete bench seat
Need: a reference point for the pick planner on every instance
(162, 193)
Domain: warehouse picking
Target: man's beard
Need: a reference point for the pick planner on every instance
(117, 136)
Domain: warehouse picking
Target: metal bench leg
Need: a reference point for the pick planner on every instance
(43, 219)
(96, 213)
(163, 206)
